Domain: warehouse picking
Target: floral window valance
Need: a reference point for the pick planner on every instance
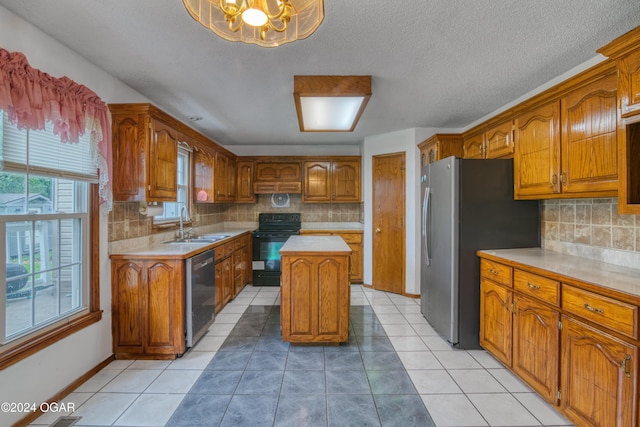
(32, 97)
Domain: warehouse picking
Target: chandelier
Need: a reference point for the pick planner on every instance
(267, 23)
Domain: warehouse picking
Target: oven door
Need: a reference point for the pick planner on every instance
(266, 250)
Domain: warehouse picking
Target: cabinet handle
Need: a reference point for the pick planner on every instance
(492, 271)
(563, 177)
(625, 366)
(554, 179)
(532, 286)
(593, 309)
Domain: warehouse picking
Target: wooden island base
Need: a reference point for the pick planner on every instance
(315, 290)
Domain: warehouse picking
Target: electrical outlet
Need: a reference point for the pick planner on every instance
(126, 225)
(330, 214)
(197, 218)
(256, 215)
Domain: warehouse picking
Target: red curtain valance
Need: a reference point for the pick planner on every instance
(32, 97)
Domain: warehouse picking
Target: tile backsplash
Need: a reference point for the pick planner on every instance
(592, 228)
(126, 222)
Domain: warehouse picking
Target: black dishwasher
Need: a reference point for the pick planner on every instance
(200, 295)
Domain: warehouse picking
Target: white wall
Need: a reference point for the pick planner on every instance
(401, 141)
(42, 375)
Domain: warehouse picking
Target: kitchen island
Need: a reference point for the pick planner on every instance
(315, 293)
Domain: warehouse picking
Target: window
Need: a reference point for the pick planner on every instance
(46, 200)
(171, 211)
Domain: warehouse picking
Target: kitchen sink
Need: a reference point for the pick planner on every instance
(215, 237)
(192, 240)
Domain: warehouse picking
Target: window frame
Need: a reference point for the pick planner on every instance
(31, 343)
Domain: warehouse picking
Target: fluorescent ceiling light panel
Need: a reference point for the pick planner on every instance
(330, 103)
(329, 113)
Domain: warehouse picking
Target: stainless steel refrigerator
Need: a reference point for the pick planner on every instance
(467, 205)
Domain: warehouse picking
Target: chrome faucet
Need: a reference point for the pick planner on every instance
(184, 216)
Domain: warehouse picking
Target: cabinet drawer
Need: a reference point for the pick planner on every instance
(229, 248)
(351, 237)
(537, 286)
(219, 252)
(608, 312)
(497, 272)
(240, 243)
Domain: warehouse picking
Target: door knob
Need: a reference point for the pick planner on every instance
(378, 230)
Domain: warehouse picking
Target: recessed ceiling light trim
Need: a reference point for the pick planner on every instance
(330, 103)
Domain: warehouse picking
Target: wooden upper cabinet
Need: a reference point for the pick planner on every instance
(589, 138)
(498, 140)
(346, 181)
(625, 50)
(145, 153)
(332, 181)
(244, 182)
(163, 162)
(473, 147)
(440, 146)
(537, 152)
(224, 177)
(272, 176)
(203, 177)
(317, 181)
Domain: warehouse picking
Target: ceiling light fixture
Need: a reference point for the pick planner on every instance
(267, 23)
(330, 103)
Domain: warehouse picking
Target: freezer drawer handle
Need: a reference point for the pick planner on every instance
(532, 286)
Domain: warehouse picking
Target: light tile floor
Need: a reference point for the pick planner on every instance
(459, 388)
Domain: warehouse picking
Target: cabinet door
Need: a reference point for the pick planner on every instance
(244, 182)
(203, 177)
(163, 158)
(499, 140)
(629, 83)
(129, 151)
(278, 171)
(231, 180)
(333, 319)
(495, 320)
(356, 264)
(317, 181)
(589, 138)
(165, 308)
(299, 300)
(221, 174)
(128, 320)
(219, 285)
(429, 153)
(473, 147)
(597, 367)
(345, 182)
(227, 280)
(536, 346)
(537, 152)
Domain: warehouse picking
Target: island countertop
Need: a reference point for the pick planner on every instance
(315, 244)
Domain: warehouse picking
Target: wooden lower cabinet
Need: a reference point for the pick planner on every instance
(224, 283)
(495, 320)
(353, 238)
(536, 344)
(315, 298)
(599, 377)
(147, 308)
(576, 348)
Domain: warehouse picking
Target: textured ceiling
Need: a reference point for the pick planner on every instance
(435, 63)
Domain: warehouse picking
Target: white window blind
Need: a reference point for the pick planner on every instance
(42, 152)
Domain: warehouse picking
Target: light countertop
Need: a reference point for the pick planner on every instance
(179, 250)
(315, 244)
(615, 277)
(338, 226)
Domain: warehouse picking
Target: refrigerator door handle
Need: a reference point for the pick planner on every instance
(425, 231)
